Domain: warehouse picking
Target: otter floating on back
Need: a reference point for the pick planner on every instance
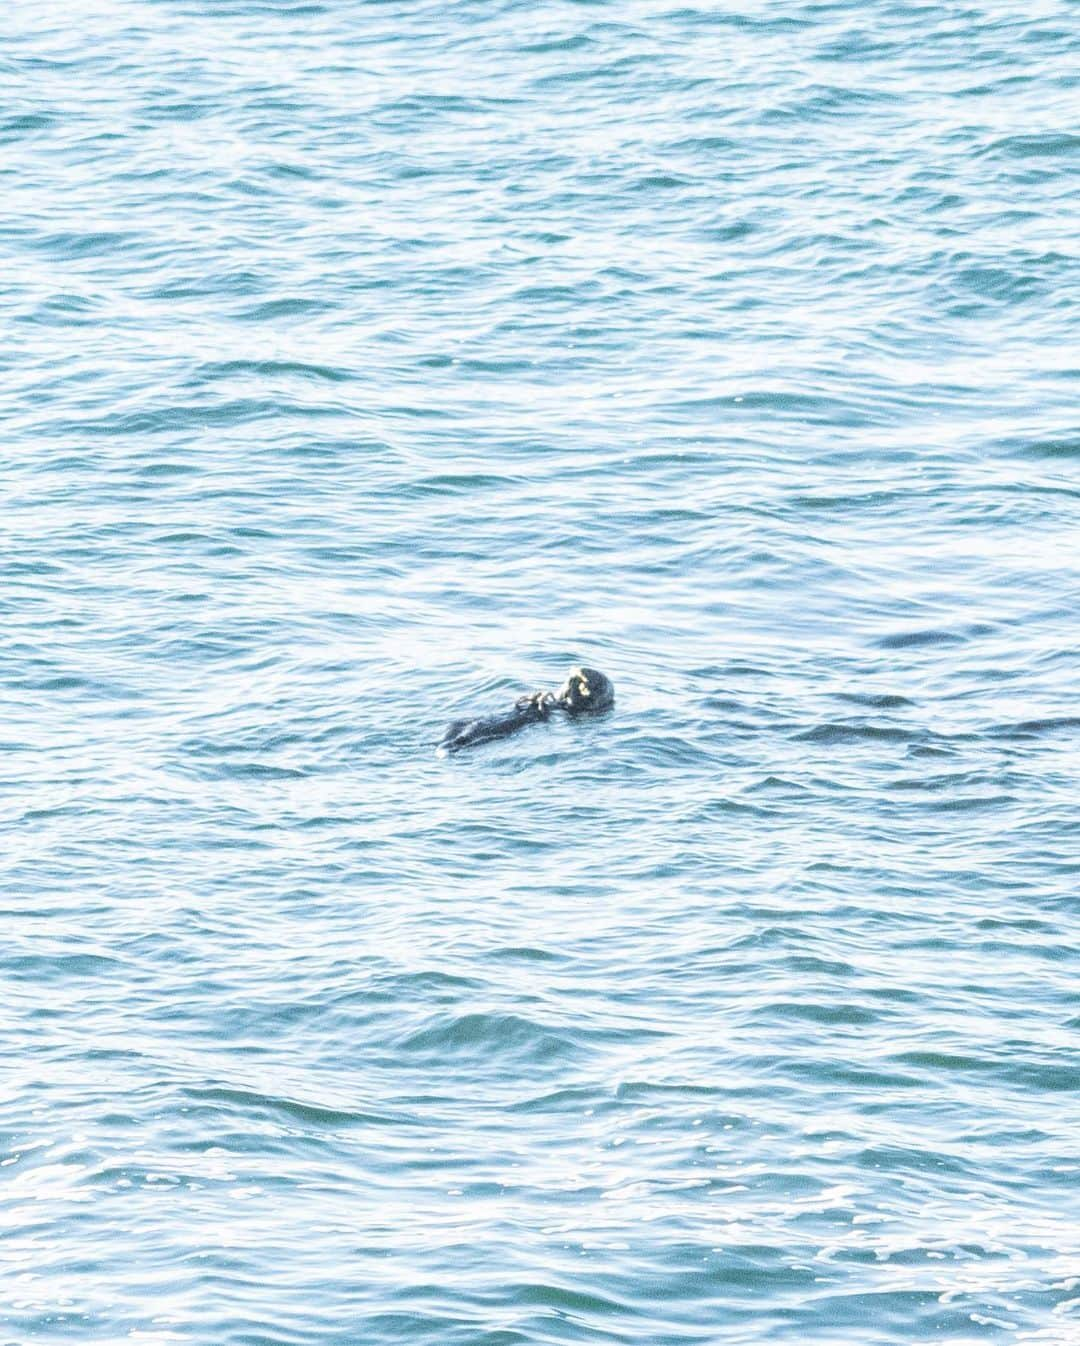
(585, 691)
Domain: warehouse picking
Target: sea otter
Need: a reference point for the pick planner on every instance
(585, 691)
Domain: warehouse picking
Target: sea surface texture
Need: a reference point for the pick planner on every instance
(367, 365)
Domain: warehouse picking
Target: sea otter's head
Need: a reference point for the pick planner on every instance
(585, 690)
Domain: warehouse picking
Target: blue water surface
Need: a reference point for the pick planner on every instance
(368, 364)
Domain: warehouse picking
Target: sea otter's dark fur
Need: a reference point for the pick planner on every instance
(585, 691)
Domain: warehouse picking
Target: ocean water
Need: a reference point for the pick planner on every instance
(369, 364)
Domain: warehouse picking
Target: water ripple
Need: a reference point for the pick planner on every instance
(372, 364)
